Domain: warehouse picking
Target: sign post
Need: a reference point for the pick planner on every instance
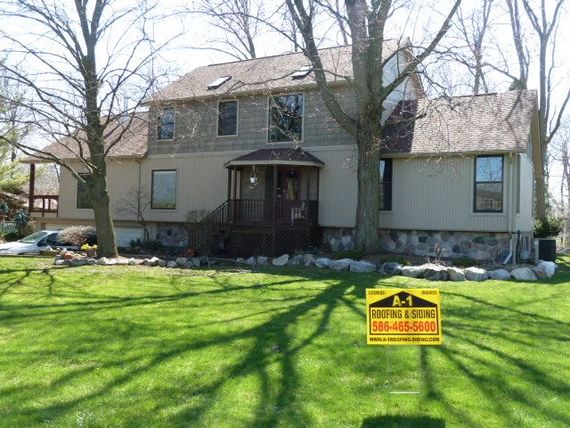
(409, 316)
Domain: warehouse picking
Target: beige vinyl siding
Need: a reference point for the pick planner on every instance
(122, 178)
(525, 219)
(437, 194)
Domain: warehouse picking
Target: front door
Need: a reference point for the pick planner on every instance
(288, 193)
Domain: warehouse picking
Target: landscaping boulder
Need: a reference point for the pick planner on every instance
(308, 260)
(362, 266)
(60, 262)
(455, 274)
(181, 261)
(122, 261)
(78, 262)
(475, 274)
(91, 261)
(544, 269)
(296, 260)
(323, 262)
(262, 260)
(102, 261)
(500, 274)
(196, 262)
(171, 264)
(153, 261)
(252, 261)
(523, 274)
(133, 262)
(413, 271)
(281, 260)
(390, 268)
(435, 272)
(340, 264)
(204, 261)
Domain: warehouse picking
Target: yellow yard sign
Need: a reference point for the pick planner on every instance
(410, 316)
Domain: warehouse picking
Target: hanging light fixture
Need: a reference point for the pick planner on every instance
(253, 176)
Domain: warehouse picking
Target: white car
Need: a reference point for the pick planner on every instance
(34, 243)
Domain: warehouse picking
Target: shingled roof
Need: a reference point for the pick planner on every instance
(278, 156)
(490, 123)
(133, 143)
(272, 73)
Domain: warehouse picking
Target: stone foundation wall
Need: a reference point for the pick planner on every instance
(491, 247)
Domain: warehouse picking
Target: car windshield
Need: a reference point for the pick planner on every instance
(34, 237)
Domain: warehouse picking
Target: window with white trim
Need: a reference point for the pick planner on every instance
(227, 118)
(286, 118)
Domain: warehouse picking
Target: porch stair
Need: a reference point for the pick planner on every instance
(245, 227)
(209, 235)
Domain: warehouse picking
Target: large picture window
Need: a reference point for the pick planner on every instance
(82, 199)
(286, 118)
(163, 195)
(488, 184)
(227, 118)
(385, 184)
(166, 121)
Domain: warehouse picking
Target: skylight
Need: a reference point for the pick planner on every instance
(302, 72)
(219, 82)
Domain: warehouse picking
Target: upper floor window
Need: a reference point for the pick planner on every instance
(163, 189)
(227, 118)
(82, 199)
(385, 203)
(488, 194)
(286, 118)
(166, 124)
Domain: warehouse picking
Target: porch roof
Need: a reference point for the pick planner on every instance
(283, 156)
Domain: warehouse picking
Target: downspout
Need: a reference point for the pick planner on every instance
(510, 220)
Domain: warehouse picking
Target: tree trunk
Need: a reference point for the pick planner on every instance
(106, 244)
(368, 178)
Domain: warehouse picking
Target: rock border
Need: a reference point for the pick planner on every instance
(428, 271)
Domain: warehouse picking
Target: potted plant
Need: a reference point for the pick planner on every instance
(546, 231)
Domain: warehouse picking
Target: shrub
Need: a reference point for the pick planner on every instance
(350, 254)
(78, 235)
(396, 258)
(142, 245)
(549, 227)
(465, 262)
(12, 236)
(21, 220)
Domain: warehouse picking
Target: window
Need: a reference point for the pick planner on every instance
(302, 72)
(219, 82)
(488, 184)
(166, 124)
(385, 185)
(286, 118)
(82, 199)
(227, 118)
(163, 192)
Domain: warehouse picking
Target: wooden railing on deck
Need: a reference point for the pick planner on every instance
(44, 204)
(212, 230)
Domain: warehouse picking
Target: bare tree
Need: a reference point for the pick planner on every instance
(472, 29)
(366, 22)
(544, 22)
(238, 22)
(82, 67)
(135, 204)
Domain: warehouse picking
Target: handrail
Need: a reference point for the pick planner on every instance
(49, 204)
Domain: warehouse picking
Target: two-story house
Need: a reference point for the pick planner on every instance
(249, 150)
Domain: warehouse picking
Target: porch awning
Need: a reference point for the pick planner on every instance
(286, 156)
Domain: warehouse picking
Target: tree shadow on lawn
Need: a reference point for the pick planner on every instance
(272, 345)
(486, 353)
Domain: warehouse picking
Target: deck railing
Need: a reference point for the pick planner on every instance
(44, 204)
(211, 232)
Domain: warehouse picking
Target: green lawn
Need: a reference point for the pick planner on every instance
(96, 346)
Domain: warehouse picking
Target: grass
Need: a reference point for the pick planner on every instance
(96, 346)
